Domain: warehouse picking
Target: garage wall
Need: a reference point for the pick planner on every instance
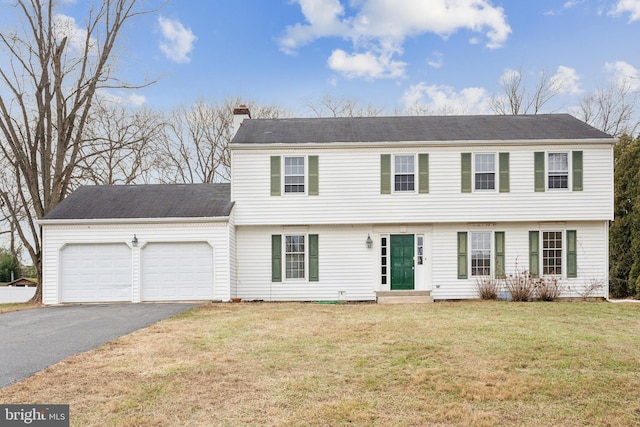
(56, 237)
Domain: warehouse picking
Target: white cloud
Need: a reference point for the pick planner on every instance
(444, 100)
(65, 26)
(436, 60)
(177, 42)
(378, 28)
(567, 80)
(623, 74)
(136, 100)
(365, 65)
(627, 6)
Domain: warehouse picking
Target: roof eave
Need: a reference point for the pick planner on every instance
(448, 143)
(100, 221)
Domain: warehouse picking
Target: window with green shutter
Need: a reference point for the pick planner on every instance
(465, 172)
(572, 254)
(385, 174)
(503, 164)
(462, 255)
(538, 166)
(313, 175)
(275, 175)
(499, 250)
(314, 275)
(423, 173)
(534, 253)
(276, 258)
(576, 165)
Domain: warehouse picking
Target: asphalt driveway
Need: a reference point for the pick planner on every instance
(31, 340)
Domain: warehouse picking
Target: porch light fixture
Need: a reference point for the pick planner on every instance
(369, 241)
(134, 242)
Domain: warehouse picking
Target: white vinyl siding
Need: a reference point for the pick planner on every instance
(350, 179)
(57, 237)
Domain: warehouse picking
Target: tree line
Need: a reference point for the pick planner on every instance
(60, 129)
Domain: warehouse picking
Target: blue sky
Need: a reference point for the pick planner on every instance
(443, 55)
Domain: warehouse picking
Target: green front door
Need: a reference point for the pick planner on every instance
(402, 262)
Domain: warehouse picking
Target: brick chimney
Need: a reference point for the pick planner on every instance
(239, 114)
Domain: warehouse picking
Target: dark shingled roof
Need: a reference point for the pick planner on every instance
(145, 201)
(416, 128)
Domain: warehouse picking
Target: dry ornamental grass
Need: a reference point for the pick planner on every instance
(467, 363)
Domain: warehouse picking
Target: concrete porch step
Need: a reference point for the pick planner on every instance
(404, 297)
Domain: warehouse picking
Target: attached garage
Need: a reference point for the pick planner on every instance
(177, 271)
(138, 243)
(95, 273)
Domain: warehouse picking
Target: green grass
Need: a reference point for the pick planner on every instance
(16, 306)
(465, 363)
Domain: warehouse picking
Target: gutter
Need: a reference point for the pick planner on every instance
(100, 221)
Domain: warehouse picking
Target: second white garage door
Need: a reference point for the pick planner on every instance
(177, 271)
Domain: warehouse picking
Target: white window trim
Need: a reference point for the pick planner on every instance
(306, 258)
(492, 255)
(496, 175)
(393, 174)
(563, 256)
(547, 170)
(284, 176)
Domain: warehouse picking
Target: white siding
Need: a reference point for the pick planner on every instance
(349, 189)
(55, 237)
(591, 254)
(345, 264)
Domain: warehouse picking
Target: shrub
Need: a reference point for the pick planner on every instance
(547, 288)
(519, 285)
(487, 287)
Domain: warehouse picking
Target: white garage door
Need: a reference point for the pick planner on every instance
(177, 271)
(96, 273)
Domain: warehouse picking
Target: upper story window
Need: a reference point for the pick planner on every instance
(558, 174)
(484, 171)
(404, 173)
(294, 174)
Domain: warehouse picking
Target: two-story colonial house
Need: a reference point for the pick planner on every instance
(353, 209)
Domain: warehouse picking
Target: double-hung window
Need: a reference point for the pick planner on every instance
(481, 253)
(294, 257)
(404, 173)
(294, 174)
(552, 252)
(484, 171)
(558, 174)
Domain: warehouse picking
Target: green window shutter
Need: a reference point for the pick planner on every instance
(503, 161)
(313, 175)
(577, 170)
(499, 248)
(572, 254)
(385, 174)
(423, 173)
(462, 255)
(534, 253)
(538, 166)
(275, 175)
(276, 258)
(465, 162)
(313, 258)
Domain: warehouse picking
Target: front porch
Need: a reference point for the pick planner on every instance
(404, 297)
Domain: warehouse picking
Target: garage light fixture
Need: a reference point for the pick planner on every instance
(134, 242)
(369, 241)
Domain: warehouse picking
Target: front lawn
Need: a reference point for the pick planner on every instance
(464, 363)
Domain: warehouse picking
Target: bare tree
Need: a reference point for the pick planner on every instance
(194, 147)
(612, 109)
(120, 145)
(518, 98)
(328, 106)
(51, 75)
